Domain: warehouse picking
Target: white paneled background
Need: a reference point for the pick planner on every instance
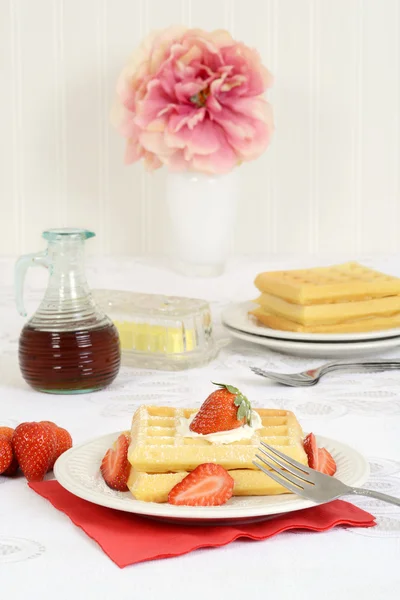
(328, 183)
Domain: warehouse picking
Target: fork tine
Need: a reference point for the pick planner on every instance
(300, 473)
(283, 378)
(294, 479)
(263, 373)
(298, 382)
(291, 461)
(257, 371)
(279, 377)
(272, 376)
(284, 482)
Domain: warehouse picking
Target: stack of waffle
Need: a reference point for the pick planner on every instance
(161, 457)
(339, 299)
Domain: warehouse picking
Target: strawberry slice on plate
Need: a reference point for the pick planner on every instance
(326, 462)
(318, 458)
(208, 485)
(115, 467)
(311, 449)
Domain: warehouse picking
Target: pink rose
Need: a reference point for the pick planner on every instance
(193, 100)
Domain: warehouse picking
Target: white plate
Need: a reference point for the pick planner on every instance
(77, 470)
(318, 349)
(236, 317)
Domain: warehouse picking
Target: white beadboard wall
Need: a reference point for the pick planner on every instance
(328, 183)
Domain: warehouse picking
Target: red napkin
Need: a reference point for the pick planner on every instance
(129, 539)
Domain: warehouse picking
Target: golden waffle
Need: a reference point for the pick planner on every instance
(329, 314)
(340, 283)
(157, 447)
(356, 326)
(155, 487)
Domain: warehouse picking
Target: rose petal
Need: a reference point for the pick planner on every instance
(153, 141)
(203, 139)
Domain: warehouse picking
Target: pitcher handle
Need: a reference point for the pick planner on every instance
(21, 267)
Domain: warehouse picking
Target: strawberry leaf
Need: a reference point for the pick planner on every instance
(243, 403)
(242, 412)
(238, 400)
(230, 388)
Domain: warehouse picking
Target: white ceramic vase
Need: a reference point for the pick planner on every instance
(202, 210)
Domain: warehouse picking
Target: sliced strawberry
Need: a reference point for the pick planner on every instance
(115, 467)
(326, 462)
(311, 449)
(208, 485)
(34, 446)
(6, 454)
(223, 410)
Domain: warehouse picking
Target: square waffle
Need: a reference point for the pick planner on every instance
(157, 447)
(326, 314)
(373, 323)
(340, 283)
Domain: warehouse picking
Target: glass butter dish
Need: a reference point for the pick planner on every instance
(169, 333)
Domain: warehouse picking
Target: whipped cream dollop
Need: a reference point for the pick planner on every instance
(222, 437)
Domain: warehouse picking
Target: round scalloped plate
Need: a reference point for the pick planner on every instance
(77, 470)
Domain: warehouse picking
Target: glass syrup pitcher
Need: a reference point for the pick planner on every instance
(68, 346)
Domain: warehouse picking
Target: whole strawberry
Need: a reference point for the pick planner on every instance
(224, 409)
(7, 432)
(63, 438)
(6, 454)
(34, 447)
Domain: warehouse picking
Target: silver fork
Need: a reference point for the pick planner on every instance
(312, 376)
(307, 482)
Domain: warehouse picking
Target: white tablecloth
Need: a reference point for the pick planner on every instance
(40, 548)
